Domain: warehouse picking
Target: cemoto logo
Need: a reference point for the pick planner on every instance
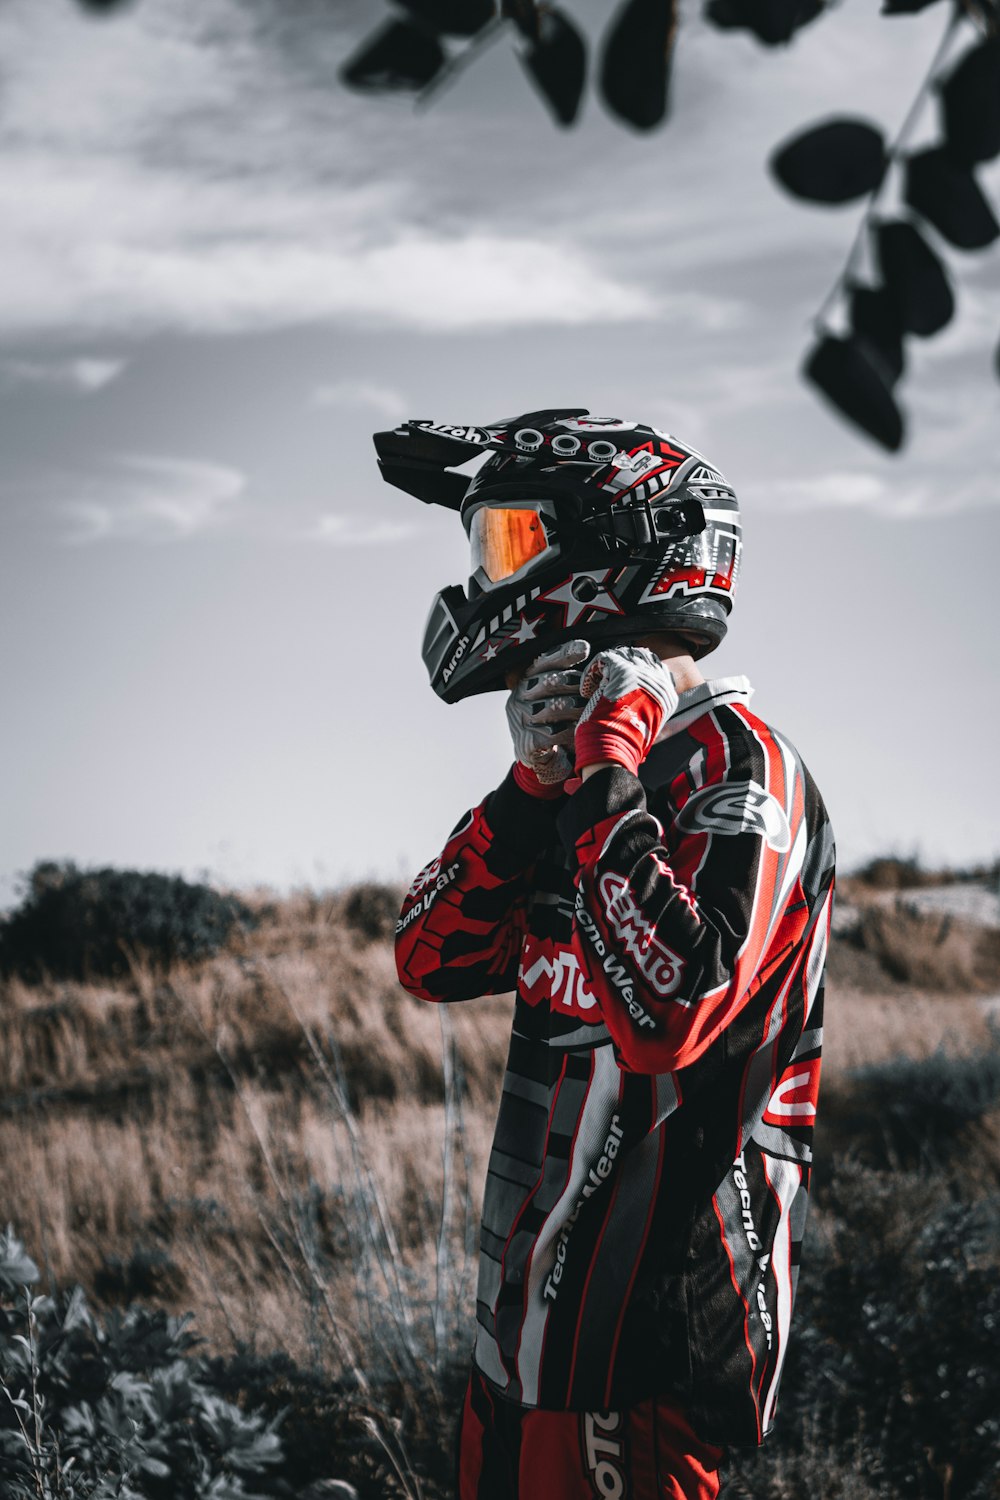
(660, 965)
(736, 807)
(604, 1452)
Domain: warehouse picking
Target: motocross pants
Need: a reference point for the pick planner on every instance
(649, 1452)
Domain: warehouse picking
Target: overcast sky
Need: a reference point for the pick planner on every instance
(219, 273)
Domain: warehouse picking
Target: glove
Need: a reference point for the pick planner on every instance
(629, 693)
(542, 712)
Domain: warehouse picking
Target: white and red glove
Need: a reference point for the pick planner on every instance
(630, 692)
(542, 712)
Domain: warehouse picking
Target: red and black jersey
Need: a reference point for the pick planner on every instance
(646, 1193)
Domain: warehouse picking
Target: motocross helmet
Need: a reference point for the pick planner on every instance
(579, 526)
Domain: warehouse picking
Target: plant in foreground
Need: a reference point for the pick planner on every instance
(121, 1408)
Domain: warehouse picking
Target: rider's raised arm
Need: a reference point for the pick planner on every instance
(460, 930)
(677, 926)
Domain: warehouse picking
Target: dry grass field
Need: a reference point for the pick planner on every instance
(281, 1142)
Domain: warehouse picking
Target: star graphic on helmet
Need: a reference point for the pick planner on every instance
(490, 652)
(582, 592)
(527, 628)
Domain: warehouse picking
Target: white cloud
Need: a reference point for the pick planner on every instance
(176, 170)
(954, 494)
(844, 490)
(367, 395)
(894, 496)
(350, 531)
(417, 280)
(147, 498)
(84, 374)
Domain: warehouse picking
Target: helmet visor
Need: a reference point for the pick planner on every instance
(505, 538)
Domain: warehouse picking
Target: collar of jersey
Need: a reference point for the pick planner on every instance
(703, 699)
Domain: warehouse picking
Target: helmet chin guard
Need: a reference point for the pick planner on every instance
(631, 532)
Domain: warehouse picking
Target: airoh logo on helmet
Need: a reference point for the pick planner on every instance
(605, 528)
(465, 434)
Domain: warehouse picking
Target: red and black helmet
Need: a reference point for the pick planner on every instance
(580, 526)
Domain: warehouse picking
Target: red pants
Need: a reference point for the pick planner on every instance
(647, 1453)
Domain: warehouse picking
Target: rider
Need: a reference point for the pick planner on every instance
(654, 876)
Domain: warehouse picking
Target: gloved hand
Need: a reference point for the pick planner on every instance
(630, 692)
(542, 712)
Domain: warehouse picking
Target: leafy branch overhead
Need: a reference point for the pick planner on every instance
(895, 283)
(423, 48)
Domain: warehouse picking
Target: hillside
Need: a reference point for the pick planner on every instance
(279, 1141)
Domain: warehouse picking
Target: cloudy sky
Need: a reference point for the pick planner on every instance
(219, 273)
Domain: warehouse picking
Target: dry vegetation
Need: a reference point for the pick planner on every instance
(171, 1127)
(281, 1141)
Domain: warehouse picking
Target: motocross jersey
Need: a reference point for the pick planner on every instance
(646, 1193)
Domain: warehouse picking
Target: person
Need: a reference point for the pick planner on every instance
(654, 878)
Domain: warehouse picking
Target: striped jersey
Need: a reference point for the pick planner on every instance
(666, 936)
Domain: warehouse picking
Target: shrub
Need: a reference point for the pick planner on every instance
(324, 1428)
(75, 924)
(371, 910)
(120, 1408)
(816, 1472)
(919, 948)
(891, 1389)
(894, 873)
(911, 1112)
(148, 1274)
(893, 1347)
(126, 1407)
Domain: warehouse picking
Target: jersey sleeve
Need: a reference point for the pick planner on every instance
(675, 927)
(464, 918)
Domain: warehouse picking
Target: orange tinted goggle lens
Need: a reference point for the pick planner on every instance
(504, 540)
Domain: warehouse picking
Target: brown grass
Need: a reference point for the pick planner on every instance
(892, 943)
(866, 1028)
(242, 1117)
(270, 1124)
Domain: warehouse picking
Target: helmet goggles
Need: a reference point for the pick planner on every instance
(506, 538)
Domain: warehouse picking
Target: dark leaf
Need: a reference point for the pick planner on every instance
(914, 278)
(771, 21)
(947, 195)
(558, 64)
(876, 326)
(524, 14)
(399, 56)
(970, 98)
(831, 163)
(841, 369)
(635, 70)
(452, 17)
(17, 1269)
(903, 7)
